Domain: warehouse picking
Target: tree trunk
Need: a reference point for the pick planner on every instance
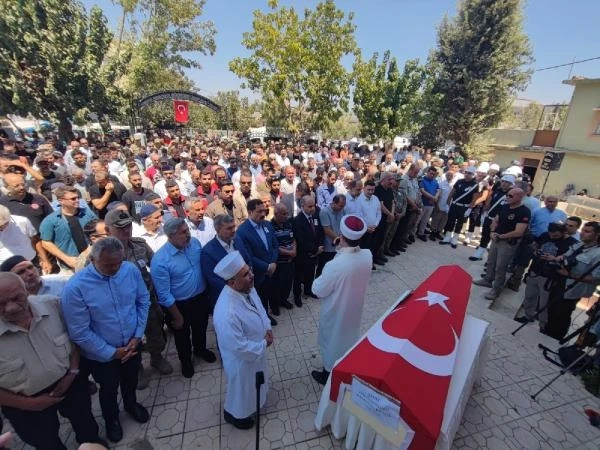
(65, 128)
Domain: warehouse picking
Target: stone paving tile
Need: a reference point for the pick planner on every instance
(299, 391)
(205, 383)
(167, 419)
(205, 439)
(552, 432)
(303, 423)
(171, 389)
(292, 366)
(275, 432)
(203, 413)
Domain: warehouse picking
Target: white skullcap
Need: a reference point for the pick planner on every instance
(483, 167)
(495, 167)
(230, 265)
(508, 178)
(353, 227)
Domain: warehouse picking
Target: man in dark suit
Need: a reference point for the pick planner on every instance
(309, 236)
(258, 237)
(216, 249)
(292, 201)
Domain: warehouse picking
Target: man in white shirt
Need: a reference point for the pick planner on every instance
(370, 212)
(17, 236)
(289, 183)
(355, 188)
(168, 174)
(201, 227)
(151, 229)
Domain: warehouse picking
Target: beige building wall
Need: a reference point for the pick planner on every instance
(583, 119)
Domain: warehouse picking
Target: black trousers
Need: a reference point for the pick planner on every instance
(282, 280)
(40, 428)
(305, 274)
(559, 316)
(265, 292)
(110, 375)
(456, 218)
(486, 233)
(195, 313)
(324, 258)
(475, 218)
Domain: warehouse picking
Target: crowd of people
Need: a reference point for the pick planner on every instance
(108, 243)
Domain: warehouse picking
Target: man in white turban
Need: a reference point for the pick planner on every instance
(243, 332)
(342, 288)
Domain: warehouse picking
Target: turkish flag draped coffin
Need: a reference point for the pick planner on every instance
(410, 354)
(181, 109)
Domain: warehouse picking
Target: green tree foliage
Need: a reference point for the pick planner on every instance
(479, 65)
(388, 103)
(346, 127)
(51, 54)
(296, 64)
(237, 113)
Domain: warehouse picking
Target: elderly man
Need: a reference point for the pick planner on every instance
(309, 235)
(151, 228)
(284, 273)
(226, 204)
(40, 369)
(216, 249)
(331, 217)
(259, 239)
(201, 227)
(507, 229)
(138, 252)
(105, 306)
(243, 333)
(342, 288)
(34, 283)
(181, 290)
(288, 184)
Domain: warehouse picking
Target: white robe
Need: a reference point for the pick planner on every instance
(241, 329)
(342, 288)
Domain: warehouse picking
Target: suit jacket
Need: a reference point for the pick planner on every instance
(307, 241)
(212, 253)
(260, 255)
(216, 207)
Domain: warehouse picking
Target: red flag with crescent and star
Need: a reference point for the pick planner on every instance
(181, 109)
(410, 354)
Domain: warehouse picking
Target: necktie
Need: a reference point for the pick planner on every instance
(312, 223)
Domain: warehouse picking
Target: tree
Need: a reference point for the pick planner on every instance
(296, 64)
(346, 127)
(237, 113)
(52, 53)
(478, 67)
(387, 102)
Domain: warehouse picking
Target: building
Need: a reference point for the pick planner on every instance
(579, 138)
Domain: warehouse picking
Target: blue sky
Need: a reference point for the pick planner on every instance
(559, 31)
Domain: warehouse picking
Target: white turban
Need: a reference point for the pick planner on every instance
(230, 265)
(353, 227)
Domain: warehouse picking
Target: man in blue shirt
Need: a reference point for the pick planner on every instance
(62, 231)
(181, 290)
(105, 307)
(430, 192)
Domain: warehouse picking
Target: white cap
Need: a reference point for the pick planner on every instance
(508, 178)
(353, 227)
(230, 265)
(513, 170)
(495, 167)
(483, 167)
(471, 169)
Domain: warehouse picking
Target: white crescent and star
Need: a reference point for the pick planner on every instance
(181, 108)
(440, 365)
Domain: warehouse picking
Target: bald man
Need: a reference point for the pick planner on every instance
(41, 369)
(507, 229)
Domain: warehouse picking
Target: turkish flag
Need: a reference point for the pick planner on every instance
(410, 354)
(181, 109)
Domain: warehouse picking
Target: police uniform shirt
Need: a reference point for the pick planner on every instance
(285, 237)
(32, 360)
(509, 218)
(462, 186)
(495, 206)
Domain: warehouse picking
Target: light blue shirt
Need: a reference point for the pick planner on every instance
(102, 312)
(542, 217)
(176, 273)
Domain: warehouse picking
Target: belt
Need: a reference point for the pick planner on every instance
(462, 204)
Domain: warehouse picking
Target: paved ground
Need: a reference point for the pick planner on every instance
(187, 414)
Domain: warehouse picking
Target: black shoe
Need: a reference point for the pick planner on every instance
(390, 253)
(453, 246)
(407, 241)
(298, 302)
(138, 413)
(320, 376)
(272, 319)
(379, 262)
(523, 319)
(287, 305)
(384, 259)
(439, 236)
(311, 295)
(411, 238)
(114, 431)
(373, 268)
(432, 237)
(187, 369)
(396, 252)
(206, 355)
(275, 311)
(401, 249)
(422, 237)
(242, 424)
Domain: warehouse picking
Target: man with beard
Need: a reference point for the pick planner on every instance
(246, 190)
(135, 197)
(103, 192)
(201, 227)
(226, 204)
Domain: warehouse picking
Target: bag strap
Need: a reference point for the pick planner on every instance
(582, 276)
(466, 193)
(500, 200)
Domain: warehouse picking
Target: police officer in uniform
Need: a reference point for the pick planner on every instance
(490, 210)
(461, 200)
(507, 229)
(118, 225)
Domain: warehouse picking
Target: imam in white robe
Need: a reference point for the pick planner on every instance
(341, 288)
(241, 324)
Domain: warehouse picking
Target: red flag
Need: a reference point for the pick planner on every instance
(410, 355)
(181, 109)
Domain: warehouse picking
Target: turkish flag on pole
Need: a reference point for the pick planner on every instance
(181, 109)
(410, 354)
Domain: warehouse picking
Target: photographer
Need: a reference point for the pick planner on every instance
(541, 277)
(581, 268)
